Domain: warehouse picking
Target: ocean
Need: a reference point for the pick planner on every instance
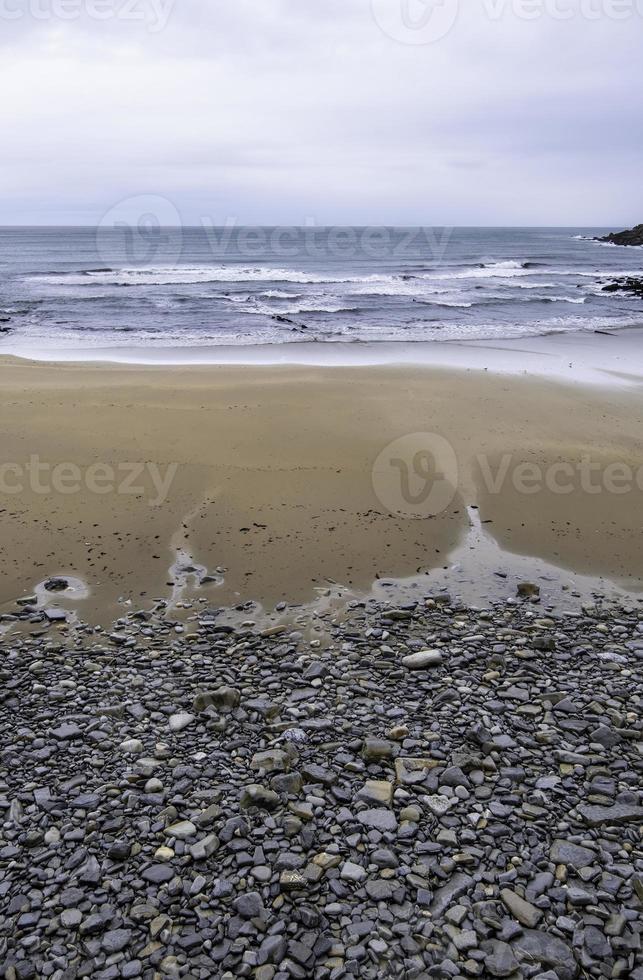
(149, 286)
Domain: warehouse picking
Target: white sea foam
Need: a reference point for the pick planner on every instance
(399, 283)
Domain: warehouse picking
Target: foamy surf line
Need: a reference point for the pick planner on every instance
(606, 359)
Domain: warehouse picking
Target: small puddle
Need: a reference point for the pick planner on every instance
(76, 590)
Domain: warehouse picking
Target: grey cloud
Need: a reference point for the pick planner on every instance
(270, 112)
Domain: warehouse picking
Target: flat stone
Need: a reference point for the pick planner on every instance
(439, 805)
(377, 749)
(66, 732)
(204, 848)
(449, 893)
(273, 760)
(116, 940)
(377, 791)
(180, 721)
(549, 950)
(352, 872)
(181, 830)
(258, 796)
(379, 819)
(131, 746)
(423, 660)
(526, 913)
(224, 698)
(564, 852)
(158, 874)
(619, 813)
(500, 960)
(249, 906)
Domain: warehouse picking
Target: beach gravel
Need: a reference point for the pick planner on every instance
(433, 791)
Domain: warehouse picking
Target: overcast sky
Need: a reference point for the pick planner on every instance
(332, 111)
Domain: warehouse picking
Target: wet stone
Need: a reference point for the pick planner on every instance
(223, 794)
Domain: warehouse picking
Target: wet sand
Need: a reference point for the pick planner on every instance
(273, 492)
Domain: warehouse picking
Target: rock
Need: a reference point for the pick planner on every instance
(297, 736)
(292, 881)
(597, 944)
(313, 773)
(619, 813)
(564, 852)
(352, 872)
(120, 850)
(522, 910)
(376, 749)
(92, 925)
(375, 842)
(627, 284)
(287, 782)
(132, 746)
(116, 940)
(379, 890)
(157, 874)
(449, 893)
(384, 858)
(500, 960)
(204, 848)
(56, 584)
(70, 918)
(258, 796)
(181, 830)
(273, 760)
(548, 950)
(379, 819)
(423, 660)
(409, 771)
(527, 590)
(439, 805)
(54, 615)
(249, 906)
(180, 721)
(378, 792)
(632, 237)
(224, 698)
(66, 732)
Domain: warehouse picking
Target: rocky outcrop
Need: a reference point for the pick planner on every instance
(629, 285)
(632, 237)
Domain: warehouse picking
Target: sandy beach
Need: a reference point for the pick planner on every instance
(321, 491)
(259, 479)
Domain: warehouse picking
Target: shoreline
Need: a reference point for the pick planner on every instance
(597, 357)
(259, 731)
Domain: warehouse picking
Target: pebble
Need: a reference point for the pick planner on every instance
(431, 791)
